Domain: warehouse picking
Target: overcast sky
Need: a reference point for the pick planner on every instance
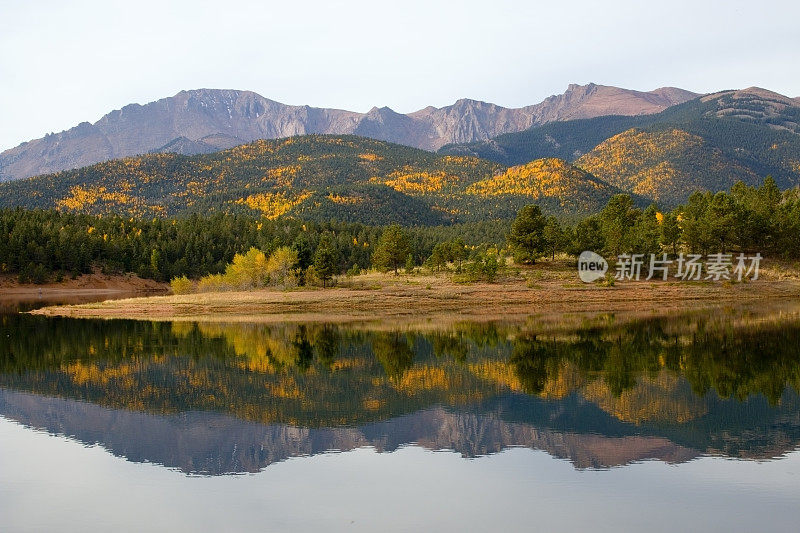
(66, 62)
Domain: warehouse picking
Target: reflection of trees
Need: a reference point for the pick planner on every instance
(314, 372)
(305, 352)
(449, 345)
(531, 359)
(733, 362)
(327, 345)
(394, 352)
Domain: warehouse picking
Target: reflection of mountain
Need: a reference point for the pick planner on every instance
(572, 429)
(210, 443)
(599, 391)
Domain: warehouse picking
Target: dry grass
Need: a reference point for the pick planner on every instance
(421, 299)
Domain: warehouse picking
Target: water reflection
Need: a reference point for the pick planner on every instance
(599, 391)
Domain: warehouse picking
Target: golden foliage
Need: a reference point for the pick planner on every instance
(181, 285)
(542, 178)
(91, 374)
(274, 204)
(567, 380)
(497, 372)
(372, 404)
(422, 378)
(412, 181)
(652, 399)
(461, 160)
(658, 164)
(252, 270)
(283, 176)
(80, 197)
(344, 200)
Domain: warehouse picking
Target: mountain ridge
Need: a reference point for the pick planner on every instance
(707, 143)
(314, 177)
(223, 118)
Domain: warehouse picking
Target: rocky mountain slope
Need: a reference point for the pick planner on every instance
(208, 120)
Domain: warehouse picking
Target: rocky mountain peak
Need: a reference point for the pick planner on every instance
(202, 120)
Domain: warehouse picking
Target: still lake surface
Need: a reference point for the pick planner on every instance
(683, 421)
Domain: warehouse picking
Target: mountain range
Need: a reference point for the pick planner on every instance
(208, 120)
(707, 143)
(570, 161)
(316, 177)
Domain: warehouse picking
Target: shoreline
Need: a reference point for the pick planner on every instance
(84, 288)
(433, 298)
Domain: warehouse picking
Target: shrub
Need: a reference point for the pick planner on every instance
(212, 283)
(181, 285)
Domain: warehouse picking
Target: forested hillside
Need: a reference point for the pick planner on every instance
(41, 245)
(565, 140)
(316, 177)
(666, 165)
(553, 184)
(706, 143)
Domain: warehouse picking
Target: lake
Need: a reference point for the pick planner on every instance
(678, 421)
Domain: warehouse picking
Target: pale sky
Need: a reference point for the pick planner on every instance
(62, 62)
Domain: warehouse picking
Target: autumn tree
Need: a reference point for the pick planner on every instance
(281, 266)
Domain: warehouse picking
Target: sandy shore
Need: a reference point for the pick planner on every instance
(421, 299)
(87, 287)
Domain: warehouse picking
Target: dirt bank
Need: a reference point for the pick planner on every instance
(84, 286)
(422, 299)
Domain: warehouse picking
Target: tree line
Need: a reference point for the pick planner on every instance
(745, 219)
(47, 245)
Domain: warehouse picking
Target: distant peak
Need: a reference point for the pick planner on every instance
(576, 86)
(756, 92)
(383, 111)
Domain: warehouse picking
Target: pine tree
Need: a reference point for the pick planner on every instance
(410, 264)
(392, 250)
(553, 236)
(527, 234)
(326, 259)
(671, 232)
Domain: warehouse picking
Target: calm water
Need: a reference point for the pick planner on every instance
(681, 422)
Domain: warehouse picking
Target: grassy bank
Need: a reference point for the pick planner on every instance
(420, 298)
